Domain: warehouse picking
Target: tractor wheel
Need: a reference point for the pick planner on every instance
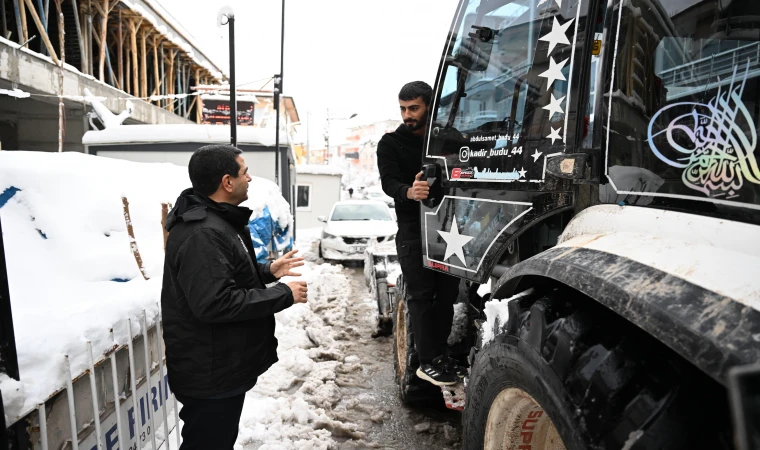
(412, 390)
(565, 374)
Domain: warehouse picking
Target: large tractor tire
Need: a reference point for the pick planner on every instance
(412, 390)
(567, 374)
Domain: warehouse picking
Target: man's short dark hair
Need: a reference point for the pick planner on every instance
(416, 89)
(210, 164)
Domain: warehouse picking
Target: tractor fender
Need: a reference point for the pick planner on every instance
(687, 280)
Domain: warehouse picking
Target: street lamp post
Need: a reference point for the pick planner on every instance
(227, 13)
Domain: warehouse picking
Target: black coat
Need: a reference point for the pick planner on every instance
(399, 160)
(218, 315)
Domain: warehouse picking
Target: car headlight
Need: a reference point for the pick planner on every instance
(328, 236)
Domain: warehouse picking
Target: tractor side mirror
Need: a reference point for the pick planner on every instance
(474, 54)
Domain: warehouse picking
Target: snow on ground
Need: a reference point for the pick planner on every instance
(72, 275)
(288, 407)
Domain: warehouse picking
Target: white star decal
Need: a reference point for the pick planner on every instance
(536, 155)
(522, 172)
(555, 106)
(455, 242)
(559, 3)
(542, 2)
(555, 135)
(558, 35)
(554, 72)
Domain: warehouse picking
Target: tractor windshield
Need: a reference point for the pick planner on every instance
(505, 87)
(684, 105)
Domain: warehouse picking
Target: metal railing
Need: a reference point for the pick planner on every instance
(97, 409)
(702, 71)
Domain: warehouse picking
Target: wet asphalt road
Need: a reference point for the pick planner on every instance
(370, 394)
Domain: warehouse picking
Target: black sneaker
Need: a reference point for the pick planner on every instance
(456, 368)
(438, 372)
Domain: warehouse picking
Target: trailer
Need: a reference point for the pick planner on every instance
(381, 273)
(81, 248)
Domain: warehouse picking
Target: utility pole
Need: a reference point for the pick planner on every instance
(277, 84)
(277, 92)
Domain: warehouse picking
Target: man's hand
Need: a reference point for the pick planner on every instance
(282, 267)
(299, 290)
(419, 190)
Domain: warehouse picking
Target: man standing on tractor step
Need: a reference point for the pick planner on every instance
(218, 313)
(431, 295)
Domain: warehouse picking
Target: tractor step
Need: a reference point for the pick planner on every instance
(454, 396)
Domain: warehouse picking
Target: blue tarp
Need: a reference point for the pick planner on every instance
(262, 234)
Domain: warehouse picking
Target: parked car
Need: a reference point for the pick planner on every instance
(352, 225)
(376, 193)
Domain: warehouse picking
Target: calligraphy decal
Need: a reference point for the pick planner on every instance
(714, 142)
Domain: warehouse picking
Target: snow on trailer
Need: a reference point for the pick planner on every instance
(84, 247)
(175, 143)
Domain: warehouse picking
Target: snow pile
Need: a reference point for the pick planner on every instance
(497, 314)
(291, 404)
(15, 92)
(71, 272)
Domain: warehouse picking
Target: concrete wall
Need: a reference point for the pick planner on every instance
(27, 124)
(34, 120)
(325, 191)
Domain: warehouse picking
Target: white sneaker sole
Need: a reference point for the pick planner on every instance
(425, 377)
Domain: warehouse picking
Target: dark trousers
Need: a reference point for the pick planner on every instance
(430, 296)
(210, 424)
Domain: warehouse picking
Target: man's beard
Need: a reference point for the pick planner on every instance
(418, 124)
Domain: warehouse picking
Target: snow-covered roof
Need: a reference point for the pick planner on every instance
(314, 169)
(174, 32)
(212, 134)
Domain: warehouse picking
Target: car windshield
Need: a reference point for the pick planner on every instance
(360, 212)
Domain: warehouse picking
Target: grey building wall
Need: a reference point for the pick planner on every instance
(324, 192)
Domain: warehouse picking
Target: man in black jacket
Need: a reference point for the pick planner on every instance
(431, 294)
(218, 314)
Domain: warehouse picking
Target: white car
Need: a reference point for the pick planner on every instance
(376, 193)
(352, 225)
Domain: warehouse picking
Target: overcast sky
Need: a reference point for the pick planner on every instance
(351, 56)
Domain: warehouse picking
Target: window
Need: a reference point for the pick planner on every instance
(303, 197)
(685, 104)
